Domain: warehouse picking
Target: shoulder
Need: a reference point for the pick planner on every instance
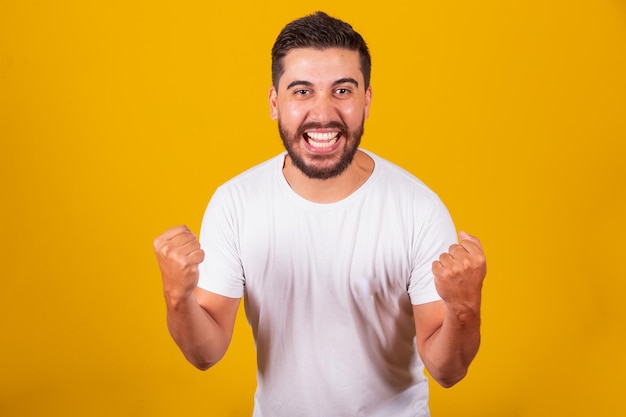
(249, 189)
(402, 193)
(398, 180)
(246, 193)
(255, 180)
(258, 173)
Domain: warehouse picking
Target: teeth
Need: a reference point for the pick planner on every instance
(322, 136)
(322, 140)
(322, 144)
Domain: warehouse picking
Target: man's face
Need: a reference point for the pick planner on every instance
(321, 105)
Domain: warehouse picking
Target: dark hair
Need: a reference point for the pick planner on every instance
(319, 31)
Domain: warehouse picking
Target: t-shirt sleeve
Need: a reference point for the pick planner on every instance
(221, 271)
(432, 238)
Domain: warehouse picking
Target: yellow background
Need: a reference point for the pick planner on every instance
(119, 118)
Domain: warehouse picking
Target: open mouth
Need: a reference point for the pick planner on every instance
(321, 139)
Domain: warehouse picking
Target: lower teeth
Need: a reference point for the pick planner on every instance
(322, 144)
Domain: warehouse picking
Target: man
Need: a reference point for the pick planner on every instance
(348, 265)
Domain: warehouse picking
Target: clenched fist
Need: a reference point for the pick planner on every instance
(179, 254)
(460, 272)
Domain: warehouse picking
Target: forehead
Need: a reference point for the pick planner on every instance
(321, 65)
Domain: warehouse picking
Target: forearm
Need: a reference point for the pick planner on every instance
(200, 322)
(449, 347)
(450, 350)
(197, 334)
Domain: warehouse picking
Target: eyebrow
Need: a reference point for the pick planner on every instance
(310, 84)
(346, 80)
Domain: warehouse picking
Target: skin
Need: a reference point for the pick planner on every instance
(448, 331)
(324, 89)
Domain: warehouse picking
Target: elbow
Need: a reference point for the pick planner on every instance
(448, 381)
(203, 366)
(202, 358)
(201, 363)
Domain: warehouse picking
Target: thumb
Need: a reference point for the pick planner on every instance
(465, 236)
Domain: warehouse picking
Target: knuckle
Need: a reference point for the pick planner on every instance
(166, 250)
(456, 269)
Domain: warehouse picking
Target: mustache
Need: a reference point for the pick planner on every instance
(315, 125)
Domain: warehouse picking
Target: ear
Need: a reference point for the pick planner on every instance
(368, 101)
(273, 103)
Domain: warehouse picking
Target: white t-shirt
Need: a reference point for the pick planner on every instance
(329, 288)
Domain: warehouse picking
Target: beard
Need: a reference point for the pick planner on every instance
(322, 166)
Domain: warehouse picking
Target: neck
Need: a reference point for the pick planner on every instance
(333, 189)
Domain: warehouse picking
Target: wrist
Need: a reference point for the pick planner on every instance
(464, 313)
(178, 300)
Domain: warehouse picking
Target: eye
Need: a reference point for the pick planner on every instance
(342, 91)
(301, 92)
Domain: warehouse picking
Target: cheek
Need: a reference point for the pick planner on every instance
(292, 114)
(354, 114)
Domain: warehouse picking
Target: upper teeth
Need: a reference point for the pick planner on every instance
(325, 136)
(322, 140)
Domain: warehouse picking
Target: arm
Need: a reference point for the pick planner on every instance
(200, 322)
(448, 331)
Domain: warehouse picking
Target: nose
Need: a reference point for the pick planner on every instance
(322, 109)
